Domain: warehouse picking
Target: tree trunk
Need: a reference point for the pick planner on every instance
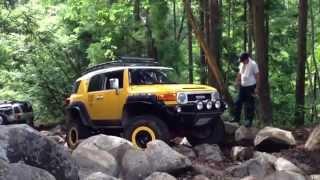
(261, 55)
(245, 27)
(174, 19)
(190, 58)
(214, 38)
(202, 55)
(250, 26)
(302, 56)
(136, 10)
(212, 62)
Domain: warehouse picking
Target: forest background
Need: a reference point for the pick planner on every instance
(46, 44)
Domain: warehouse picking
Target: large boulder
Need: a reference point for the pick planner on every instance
(270, 139)
(200, 168)
(253, 167)
(240, 153)
(245, 136)
(99, 176)
(282, 175)
(282, 164)
(209, 152)
(160, 176)
(135, 165)
(313, 142)
(116, 146)
(200, 177)
(164, 159)
(185, 150)
(17, 171)
(230, 128)
(95, 160)
(23, 143)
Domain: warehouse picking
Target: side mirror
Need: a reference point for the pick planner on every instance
(114, 83)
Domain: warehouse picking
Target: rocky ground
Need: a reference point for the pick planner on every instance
(248, 153)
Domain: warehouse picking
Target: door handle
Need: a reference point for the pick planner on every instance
(99, 97)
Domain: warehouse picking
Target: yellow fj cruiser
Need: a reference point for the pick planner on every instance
(138, 97)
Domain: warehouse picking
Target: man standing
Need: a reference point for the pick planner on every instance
(247, 81)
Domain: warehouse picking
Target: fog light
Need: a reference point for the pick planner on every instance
(217, 104)
(209, 105)
(199, 105)
(179, 109)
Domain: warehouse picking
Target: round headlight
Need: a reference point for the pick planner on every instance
(200, 105)
(217, 104)
(209, 105)
(215, 96)
(182, 98)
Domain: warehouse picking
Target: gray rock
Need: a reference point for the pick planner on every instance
(282, 175)
(187, 151)
(207, 170)
(19, 171)
(23, 143)
(164, 159)
(200, 177)
(160, 176)
(282, 164)
(265, 156)
(270, 139)
(100, 176)
(95, 160)
(250, 178)
(313, 142)
(315, 177)
(230, 128)
(209, 152)
(245, 135)
(239, 153)
(116, 146)
(135, 165)
(253, 167)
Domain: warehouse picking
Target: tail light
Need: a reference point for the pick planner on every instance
(67, 101)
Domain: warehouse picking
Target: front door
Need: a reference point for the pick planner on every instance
(106, 104)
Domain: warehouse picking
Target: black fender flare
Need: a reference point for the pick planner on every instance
(143, 104)
(80, 109)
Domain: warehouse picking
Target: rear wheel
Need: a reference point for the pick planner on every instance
(2, 120)
(211, 133)
(146, 128)
(75, 132)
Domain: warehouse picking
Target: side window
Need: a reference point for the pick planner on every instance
(95, 83)
(111, 75)
(75, 87)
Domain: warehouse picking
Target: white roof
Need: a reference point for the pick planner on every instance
(117, 68)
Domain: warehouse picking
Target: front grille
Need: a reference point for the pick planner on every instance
(198, 97)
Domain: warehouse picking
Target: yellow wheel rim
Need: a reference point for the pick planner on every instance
(141, 129)
(73, 136)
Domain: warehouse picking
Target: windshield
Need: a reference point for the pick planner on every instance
(151, 76)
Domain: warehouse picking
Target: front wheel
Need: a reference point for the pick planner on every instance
(211, 133)
(3, 120)
(146, 128)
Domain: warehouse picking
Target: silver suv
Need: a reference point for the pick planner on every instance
(16, 112)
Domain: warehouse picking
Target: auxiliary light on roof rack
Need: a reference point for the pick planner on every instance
(124, 61)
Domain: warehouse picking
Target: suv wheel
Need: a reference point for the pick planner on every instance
(211, 133)
(1, 120)
(144, 129)
(75, 132)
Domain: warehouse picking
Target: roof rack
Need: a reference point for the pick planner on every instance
(124, 61)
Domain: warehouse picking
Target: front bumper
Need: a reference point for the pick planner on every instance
(190, 116)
